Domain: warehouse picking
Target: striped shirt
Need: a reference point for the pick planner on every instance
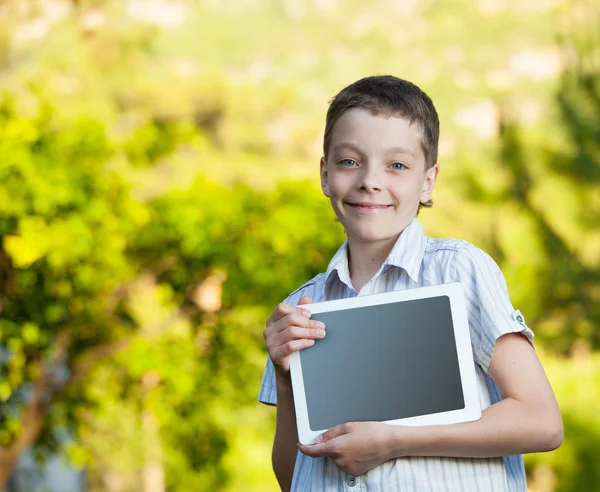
(417, 261)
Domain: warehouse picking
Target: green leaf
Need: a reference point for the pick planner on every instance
(24, 251)
(30, 333)
(5, 390)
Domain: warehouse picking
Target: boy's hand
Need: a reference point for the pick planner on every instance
(288, 330)
(356, 447)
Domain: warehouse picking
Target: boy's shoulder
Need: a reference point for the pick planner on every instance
(453, 245)
(435, 244)
(454, 252)
(448, 250)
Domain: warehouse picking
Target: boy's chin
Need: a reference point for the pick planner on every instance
(372, 236)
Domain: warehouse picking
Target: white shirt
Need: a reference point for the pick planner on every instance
(418, 261)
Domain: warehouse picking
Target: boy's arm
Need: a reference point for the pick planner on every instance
(289, 329)
(286, 434)
(526, 420)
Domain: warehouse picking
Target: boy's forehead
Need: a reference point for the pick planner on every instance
(363, 128)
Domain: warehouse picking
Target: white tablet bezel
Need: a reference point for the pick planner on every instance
(454, 291)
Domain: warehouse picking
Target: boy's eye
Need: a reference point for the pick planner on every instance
(398, 166)
(347, 162)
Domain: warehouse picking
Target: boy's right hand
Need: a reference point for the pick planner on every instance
(288, 330)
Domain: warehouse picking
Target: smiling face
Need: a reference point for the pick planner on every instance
(375, 175)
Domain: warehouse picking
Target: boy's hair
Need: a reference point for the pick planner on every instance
(390, 96)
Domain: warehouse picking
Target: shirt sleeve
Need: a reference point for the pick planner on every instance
(268, 392)
(489, 309)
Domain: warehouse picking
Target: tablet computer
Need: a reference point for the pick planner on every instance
(400, 357)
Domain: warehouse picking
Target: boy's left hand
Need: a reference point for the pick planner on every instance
(356, 447)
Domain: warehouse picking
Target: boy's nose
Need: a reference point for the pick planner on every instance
(370, 180)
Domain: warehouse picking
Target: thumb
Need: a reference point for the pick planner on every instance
(332, 433)
(305, 300)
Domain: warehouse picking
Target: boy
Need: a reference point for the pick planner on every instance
(379, 168)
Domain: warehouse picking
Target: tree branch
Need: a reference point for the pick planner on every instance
(33, 418)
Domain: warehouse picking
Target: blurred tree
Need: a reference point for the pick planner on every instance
(145, 237)
(90, 274)
(63, 223)
(547, 217)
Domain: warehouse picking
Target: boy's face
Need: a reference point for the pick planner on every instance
(375, 175)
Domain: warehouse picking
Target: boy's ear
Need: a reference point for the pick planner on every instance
(324, 177)
(429, 182)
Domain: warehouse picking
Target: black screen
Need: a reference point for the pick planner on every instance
(383, 362)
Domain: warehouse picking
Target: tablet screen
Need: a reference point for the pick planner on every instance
(383, 362)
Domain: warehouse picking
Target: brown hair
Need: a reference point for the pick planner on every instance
(391, 96)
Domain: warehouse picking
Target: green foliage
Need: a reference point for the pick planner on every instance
(573, 467)
(84, 256)
(141, 165)
(63, 221)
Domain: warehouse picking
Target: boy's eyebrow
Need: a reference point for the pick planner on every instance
(395, 150)
(400, 150)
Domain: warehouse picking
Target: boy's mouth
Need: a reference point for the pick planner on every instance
(368, 207)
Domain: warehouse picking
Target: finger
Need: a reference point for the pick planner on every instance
(280, 311)
(295, 326)
(278, 334)
(283, 351)
(283, 309)
(294, 333)
(299, 320)
(337, 431)
(292, 320)
(316, 450)
(305, 300)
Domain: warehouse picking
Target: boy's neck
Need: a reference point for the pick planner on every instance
(365, 259)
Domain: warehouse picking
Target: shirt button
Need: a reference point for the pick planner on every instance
(351, 481)
(520, 318)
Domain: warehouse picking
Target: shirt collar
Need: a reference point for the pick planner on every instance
(407, 254)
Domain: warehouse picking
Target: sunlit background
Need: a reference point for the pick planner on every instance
(159, 196)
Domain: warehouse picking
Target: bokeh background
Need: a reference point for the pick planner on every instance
(159, 196)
